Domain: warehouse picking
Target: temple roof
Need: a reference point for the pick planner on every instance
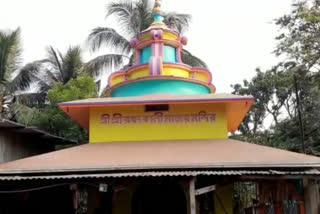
(161, 155)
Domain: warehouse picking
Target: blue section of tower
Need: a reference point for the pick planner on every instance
(158, 17)
(169, 54)
(145, 55)
(159, 86)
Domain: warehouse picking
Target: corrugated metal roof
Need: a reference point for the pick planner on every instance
(19, 128)
(161, 155)
(313, 172)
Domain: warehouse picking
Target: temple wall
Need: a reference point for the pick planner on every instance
(180, 122)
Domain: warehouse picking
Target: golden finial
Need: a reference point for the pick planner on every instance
(157, 6)
(157, 16)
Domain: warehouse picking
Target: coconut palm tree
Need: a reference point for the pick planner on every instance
(13, 76)
(63, 67)
(133, 17)
(56, 67)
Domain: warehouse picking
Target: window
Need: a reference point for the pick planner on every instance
(169, 54)
(151, 108)
(145, 55)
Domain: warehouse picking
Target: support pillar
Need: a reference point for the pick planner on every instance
(192, 196)
(311, 197)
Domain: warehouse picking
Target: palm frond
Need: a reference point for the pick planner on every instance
(72, 62)
(109, 61)
(24, 77)
(177, 22)
(192, 60)
(120, 9)
(14, 60)
(10, 51)
(50, 77)
(98, 84)
(30, 99)
(44, 82)
(124, 12)
(110, 38)
(55, 58)
(143, 16)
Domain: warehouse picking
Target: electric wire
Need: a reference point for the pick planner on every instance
(42, 188)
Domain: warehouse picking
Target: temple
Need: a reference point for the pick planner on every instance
(159, 143)
(158, 66)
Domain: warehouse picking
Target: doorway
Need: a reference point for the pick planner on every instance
(158, 197)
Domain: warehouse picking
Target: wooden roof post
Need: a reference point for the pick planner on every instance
(311, 196)
(192, 196)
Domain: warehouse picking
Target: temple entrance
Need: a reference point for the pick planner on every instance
(159, 197)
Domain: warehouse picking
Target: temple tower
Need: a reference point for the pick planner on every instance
(159, 97)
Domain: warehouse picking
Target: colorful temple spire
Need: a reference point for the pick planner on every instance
(157, 12)
(157, 7)
(159, 68)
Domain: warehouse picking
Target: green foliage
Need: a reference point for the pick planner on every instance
(300, 34)
(54, 120)
(276, 90)
(272, 91)
(57, 78)
(13, 76)
(81, 88)
(65, 67)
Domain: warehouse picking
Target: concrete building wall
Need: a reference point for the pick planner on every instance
(15, 146)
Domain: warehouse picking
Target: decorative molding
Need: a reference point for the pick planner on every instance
(164, 77)
(181, 66)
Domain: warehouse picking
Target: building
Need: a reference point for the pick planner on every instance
(159, 144)
(18, 141)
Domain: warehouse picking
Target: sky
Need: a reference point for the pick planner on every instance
(233, 37)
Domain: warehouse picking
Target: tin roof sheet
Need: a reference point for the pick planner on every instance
(160, 155)
(19, 128)
(313, 172)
